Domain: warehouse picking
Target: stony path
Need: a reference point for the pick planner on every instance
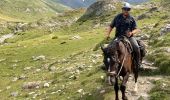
(144, 84)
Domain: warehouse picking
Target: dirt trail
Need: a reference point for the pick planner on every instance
(144, 84)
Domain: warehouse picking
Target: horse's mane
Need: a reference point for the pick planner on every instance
(113, 46)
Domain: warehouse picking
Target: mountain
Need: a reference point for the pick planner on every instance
(29, 10)
(76, 3)
(24, 10)
(86, 3)
(136, 1)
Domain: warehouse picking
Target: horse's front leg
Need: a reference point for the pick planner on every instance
(123, 86)
(116, 88)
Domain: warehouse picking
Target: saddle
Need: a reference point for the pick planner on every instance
(129, 46)
(126, 42)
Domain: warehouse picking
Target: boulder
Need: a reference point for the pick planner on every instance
(46, 85)
(14, 94)
(31, 85)
(142, 16)
(165, 30)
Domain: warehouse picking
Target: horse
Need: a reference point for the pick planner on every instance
(118, 61)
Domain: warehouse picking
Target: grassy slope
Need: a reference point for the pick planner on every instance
(22, 50)
(159, 55)
(17, 10)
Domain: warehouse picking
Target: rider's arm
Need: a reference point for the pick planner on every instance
(110, 28)
(134, 27)
(135, 31)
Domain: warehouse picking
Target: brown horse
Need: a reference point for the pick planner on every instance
(118, 61)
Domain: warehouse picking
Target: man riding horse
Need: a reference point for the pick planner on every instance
(126, 26)
(118, 57)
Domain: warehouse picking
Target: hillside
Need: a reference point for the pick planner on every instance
(24, 10)
(76, 3)
(87, 3)
(59, 58)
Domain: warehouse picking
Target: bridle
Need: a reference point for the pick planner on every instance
(117, 62)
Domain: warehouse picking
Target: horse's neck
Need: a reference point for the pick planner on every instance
(122, 50)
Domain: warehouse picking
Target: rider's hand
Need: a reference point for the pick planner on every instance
(129, 34)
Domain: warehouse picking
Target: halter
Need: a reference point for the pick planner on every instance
(124, 58)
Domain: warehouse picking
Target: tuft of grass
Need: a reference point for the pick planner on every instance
(161, 90)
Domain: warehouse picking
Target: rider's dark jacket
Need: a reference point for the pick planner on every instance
(123, 24)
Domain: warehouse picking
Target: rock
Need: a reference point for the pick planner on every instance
(77, 71)
(1, 60)
(90, 66)
(41, 57)
(27, 68)
(142, 7)
(163, 85)
(8, 87)
(46, 85)
(27, 10)
(153, 9)
(38, 70)
(21, 77)
(148, 82)
(58, 91)
(76, 37)
(31, 85)
(144, 37)
(15, 79)
(14, 94)
(63, 42)
(52, 68)
(31, 93)
(102, 91)
(165, 30)
(34, 96)
(80, 90)
(142, 16)
(102, 77)
(54, 37)
(73, 77)
(168, 50)
(14, 65)
(97, 25)
(94, 61)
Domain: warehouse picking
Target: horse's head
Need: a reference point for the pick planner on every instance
(111, 62)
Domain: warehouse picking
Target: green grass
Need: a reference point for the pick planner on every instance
(23, 51)
(36, 42)
(161, 90)
(17, 10)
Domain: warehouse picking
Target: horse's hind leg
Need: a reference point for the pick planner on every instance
(116, 87)
(136, 78)
(123, 86)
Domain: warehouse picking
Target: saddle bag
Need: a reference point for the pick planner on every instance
(142, 48)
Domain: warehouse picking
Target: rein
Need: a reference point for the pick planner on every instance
(122, 63)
